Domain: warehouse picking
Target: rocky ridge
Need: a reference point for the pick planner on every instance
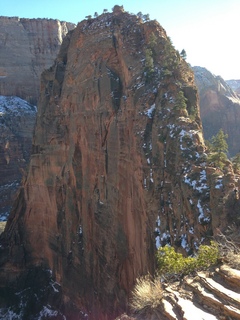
(27, 47)
(118, 167)
(219, 107)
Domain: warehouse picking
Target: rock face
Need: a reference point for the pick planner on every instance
(17, 119)
(219, 107)
(27, 47)
(118, 167)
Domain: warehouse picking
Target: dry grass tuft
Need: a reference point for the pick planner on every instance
(147, 294)
(2, 226)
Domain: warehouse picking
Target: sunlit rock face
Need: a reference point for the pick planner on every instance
(27, 47)
(117, 168)
(219, 107)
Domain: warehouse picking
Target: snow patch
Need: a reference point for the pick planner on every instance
(150, 111)
(15, 106)
(200, 185)
(201, 217)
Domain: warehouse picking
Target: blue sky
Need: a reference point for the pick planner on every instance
(207, 29)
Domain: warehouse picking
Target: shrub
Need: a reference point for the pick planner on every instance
(173, 265)
(147, 294)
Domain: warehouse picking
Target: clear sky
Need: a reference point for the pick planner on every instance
(208, 30)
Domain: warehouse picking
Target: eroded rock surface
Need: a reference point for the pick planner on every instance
(27, 47)
(118, 168)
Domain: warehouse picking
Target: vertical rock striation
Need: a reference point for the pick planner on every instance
(118, 167)
(27, 47)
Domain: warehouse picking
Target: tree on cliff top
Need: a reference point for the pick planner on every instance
(218, 148)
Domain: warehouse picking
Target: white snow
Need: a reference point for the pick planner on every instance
(149, 112)
(201, 216)
(192, 312)
(184, 243)
(234, 100)
(15, 106)
(158, 242)
(191, 230)
(200, 184)
(219, 184)
(47, 312)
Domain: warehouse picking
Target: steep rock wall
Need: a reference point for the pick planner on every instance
(219, 107)
(27, 47)
(118, 168)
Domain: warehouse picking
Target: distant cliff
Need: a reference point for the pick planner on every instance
(219, 107)
(17, 120)
(27, 47)
(235, 85)
(118, 167)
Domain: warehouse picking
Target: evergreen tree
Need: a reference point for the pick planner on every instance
(183, 54)
(171, 60)
(149, 66)
(218, 148)
(180, 103)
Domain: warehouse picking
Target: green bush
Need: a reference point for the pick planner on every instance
(174, 265)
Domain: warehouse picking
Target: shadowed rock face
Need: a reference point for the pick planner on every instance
(219, 107)
(27, 47)
(116, 169)
(17, 119)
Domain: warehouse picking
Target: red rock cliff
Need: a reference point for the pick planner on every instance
(118, 167)
(28, 46)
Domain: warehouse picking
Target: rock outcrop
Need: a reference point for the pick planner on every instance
(27, 47)
(219, 107)
(17, 120)
(207, 295)
(118, 167)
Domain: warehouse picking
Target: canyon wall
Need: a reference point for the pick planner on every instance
(219, 107)
(27, 47)
(118, 167)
